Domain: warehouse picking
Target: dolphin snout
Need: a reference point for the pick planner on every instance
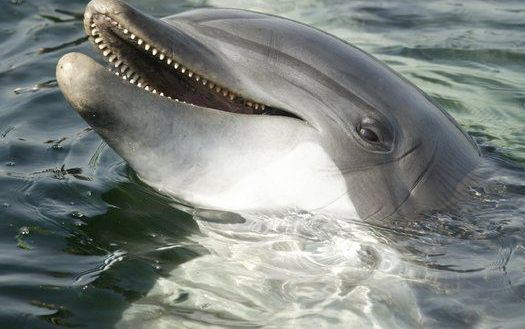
(71, 76)
(65, 69)
(105, 7)
(83, 82)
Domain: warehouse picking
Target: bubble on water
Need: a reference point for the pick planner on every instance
(157, 268)
(77, 214)
(24, 230)
(78, 218)
(78, 223)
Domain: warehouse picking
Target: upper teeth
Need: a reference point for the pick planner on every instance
(135, 78)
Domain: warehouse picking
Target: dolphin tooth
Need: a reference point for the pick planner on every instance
(130, 73)
(263, 107)
(147, 88)
(124, 68)
(119, 26)
(190, 74)
(147, 47)
(154, 91)
(102, 46)
(106, 52)
(133, 80)
(125, 31)
(169, 60)
(162, 56)
(197, 77)
(98, 40)
(139, 84)
(154, 51)
(231, 96)
(117, 63)
(249, 104)
(218, 89)
(183, 69)
(117, 74)
(132, 36)
(211, 85)
(93, 25)
(112, 58)
(113, 22)
(94, 32)
(204, 81)
(225, 93)
(139, 41)
(256, 106)
(176, 65)
(162, 94)
(124, 77)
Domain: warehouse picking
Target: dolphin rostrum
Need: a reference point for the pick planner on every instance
(241, 111)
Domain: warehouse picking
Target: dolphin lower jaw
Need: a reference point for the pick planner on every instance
(145, 64)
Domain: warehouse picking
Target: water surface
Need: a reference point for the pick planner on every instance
(85, 244)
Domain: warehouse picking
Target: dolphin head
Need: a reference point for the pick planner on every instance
(236, 110)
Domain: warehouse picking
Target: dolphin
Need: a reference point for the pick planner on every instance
(241, 111)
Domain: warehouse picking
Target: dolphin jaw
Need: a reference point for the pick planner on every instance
(100, 25)
(123, 70)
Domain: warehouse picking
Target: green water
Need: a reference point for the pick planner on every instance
(83, 240)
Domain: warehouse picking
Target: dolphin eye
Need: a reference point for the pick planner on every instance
(368, 134)
(374, 135)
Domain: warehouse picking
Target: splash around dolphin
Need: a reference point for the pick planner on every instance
(241, 111)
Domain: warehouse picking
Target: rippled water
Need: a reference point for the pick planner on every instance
(84, 244)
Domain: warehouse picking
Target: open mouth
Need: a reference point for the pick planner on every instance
(139, 62)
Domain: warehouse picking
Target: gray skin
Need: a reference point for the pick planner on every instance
(216, 159)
